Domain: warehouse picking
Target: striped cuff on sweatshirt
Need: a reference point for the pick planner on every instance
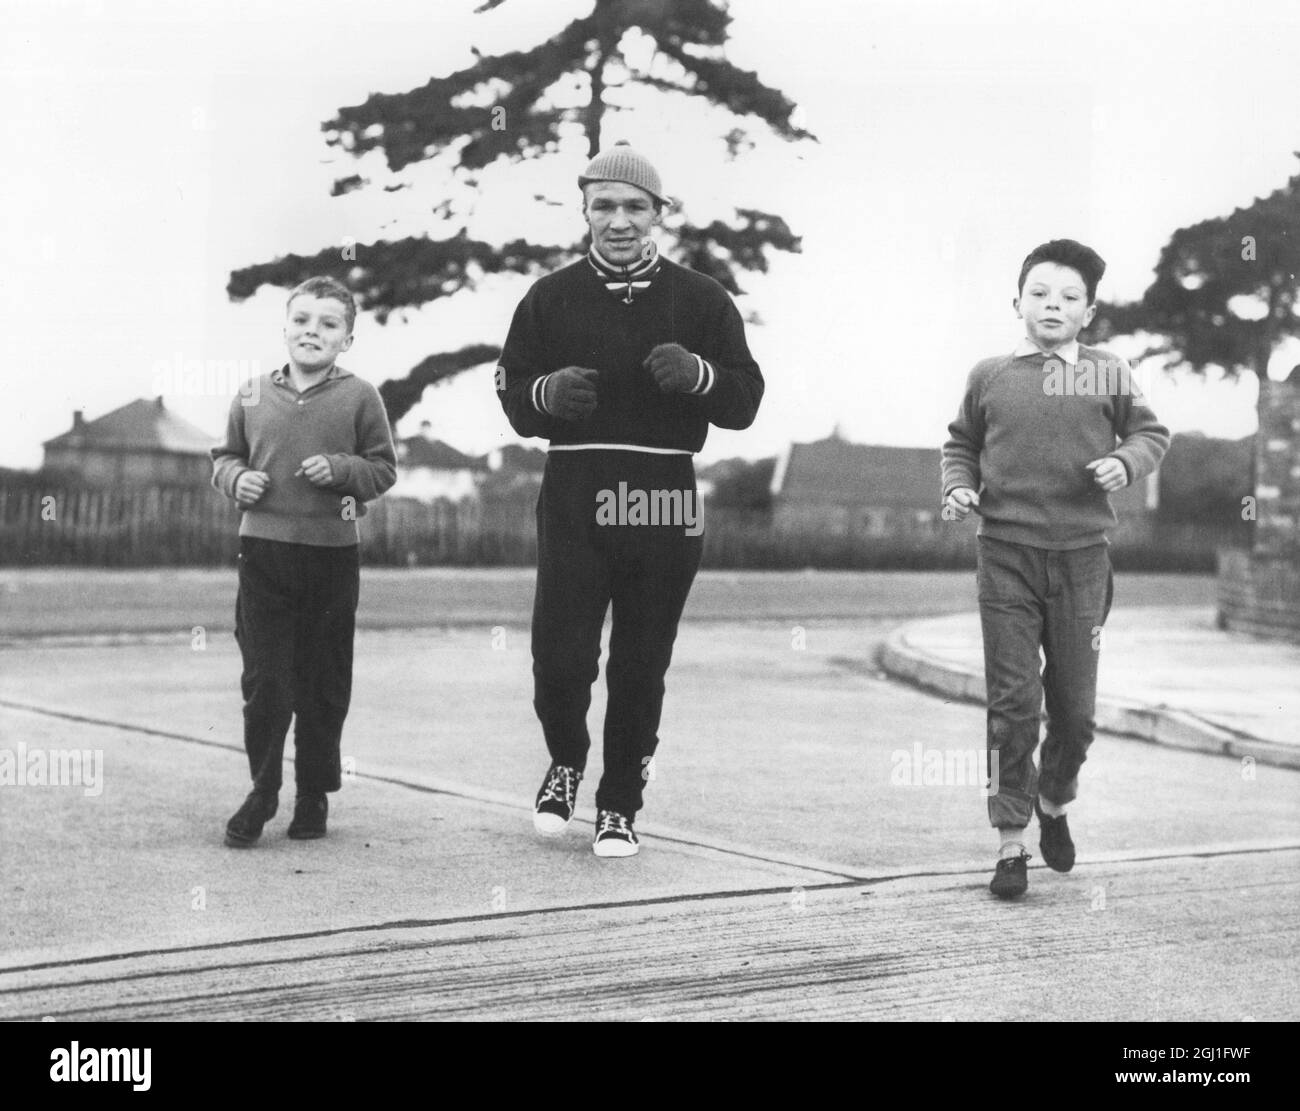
(707, 377)
(539, 389)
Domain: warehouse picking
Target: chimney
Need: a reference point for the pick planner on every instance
(78, 420)
(426, 429)
(158, 401)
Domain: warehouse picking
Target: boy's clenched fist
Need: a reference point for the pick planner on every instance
(316, 469)
(959, 502)
(250, 486)
(1109, 473)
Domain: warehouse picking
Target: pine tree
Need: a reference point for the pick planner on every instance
(1224, 294)
(520, 106)
(1225, 289)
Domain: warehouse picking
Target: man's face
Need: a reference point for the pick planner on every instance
(316, 332)
(1054, 305)
(620, 217)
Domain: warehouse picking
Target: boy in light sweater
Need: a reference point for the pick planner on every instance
(303, 453)
(1042, 437)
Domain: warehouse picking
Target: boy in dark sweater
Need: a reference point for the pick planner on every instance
(621, 360)
(1042, 437)
(301, 459)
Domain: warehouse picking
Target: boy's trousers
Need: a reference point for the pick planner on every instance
(645, 571)
(294, 621)
(1057, 600)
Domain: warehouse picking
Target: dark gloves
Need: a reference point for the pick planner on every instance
(674, 369)
(570, 394)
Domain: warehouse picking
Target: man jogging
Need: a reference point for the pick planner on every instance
(621, 360)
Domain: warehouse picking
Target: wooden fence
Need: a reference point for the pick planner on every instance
(45, 524)
(115, 526)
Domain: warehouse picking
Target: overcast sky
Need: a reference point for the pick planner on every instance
(153, 147)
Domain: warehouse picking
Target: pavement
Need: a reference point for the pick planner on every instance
(1167, 675)
(798, 859)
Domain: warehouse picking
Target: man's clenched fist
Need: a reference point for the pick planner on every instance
(570, 394)
(674, 369)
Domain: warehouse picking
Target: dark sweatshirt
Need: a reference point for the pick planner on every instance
(1024, 433)
(569, 318)
(275, 428)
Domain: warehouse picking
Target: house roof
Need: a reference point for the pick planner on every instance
(522, 458)
(421, 451)
(141, 425)
(835, 471)
(418, 451)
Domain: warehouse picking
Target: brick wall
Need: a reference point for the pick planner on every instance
(1259, 591)
(1277, 489)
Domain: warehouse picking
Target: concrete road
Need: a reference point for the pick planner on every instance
(797, 861)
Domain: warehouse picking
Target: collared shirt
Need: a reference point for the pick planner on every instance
(627, 280)
(1068, 352)
(281, 377)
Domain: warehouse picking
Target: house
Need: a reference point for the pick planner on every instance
(515, 476)
(845, 488)
(141, 443)
(873, 490)
(429, 470)
(710, 475)
(517, 460)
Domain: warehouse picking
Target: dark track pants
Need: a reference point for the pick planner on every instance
(645, 571)
(294, 621)
(1057, 600)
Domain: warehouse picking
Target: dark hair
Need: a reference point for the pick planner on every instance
(1067, 252)
(332, 288)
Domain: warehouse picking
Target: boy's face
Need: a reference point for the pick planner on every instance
(316, 332)
(620, 217)
(1054, 305)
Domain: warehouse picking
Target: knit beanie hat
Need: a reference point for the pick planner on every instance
(622, 163)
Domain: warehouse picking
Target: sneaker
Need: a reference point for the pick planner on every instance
(309, 813)
(1054, 840)
(553, 810)
(246, 826)
(614, 835)
(1009, 878)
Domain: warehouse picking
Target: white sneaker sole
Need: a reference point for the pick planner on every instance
(612, 846)
(549, 825)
